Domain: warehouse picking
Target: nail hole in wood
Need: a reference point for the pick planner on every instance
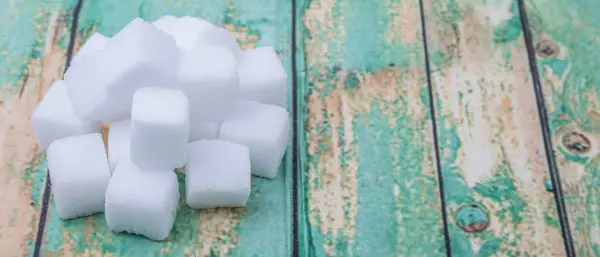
(546, 48)
(576, 142)
(472, 218)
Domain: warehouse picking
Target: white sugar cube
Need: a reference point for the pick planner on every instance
(54, 118)
(118, 142)
(209, 78)
(166, 23)
(263, 77)
(190, 32)
(96, 42)
(159, 128)
(264, 130)
(79, 174)
(142, 202)
(204, 130)
(220, 37)
(217, 174)
(101, 84)
(193, 32)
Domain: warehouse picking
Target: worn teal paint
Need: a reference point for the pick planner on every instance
(591, 201)
(490, 247)
(573, 157)
(35, 176)
(317, 237)
(261, 17)
(22, 40)
(380, 168)
(365, 43)
(384, 224)
(110, 16)
(53, 238)
(306, 238)
(456, 192)
(452, 29)
(510, 29)
(501, 189)
(419, 191)
(557, 66)
(266, 209)
(376, 226)
(19, 42)
(573, 26)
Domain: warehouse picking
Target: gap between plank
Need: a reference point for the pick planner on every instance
(46, 197)
(436, 144)
(295, 167)
(550, 158)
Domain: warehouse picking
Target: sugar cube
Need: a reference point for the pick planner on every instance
(79, 174)
(96, 42)
(209, 78)
(118, 142)
(190, 32)
(101, 84)
(142, 202)
(217, 174)
(204, 130)
(263, 129)
(220, 37)
(54, 118)
(159, 128)
(263, 77)
(166, 23)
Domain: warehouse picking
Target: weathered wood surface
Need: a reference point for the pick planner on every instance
(33, 43)
(264, 227)
(367, 177)
(492, 155)
(369, 184)
(565, 36)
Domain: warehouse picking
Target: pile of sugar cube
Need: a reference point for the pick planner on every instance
(177, 92)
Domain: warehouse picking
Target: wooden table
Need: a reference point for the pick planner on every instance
(367, 173)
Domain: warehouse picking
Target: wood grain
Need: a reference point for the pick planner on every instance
(565, 34)
(33, 42)
(368, 184)
(493, 160)
(263, 228)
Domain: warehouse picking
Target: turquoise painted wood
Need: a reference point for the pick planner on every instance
(33, 44)
(492, 156)
(564, 40)
(369, 184)
(366, 162)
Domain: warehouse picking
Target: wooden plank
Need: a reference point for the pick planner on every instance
(33, 43)
(493, 160)
(565, 33)
(264, 227)
(369, 184)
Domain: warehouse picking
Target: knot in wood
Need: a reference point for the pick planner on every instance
(576, 142)
(546, 48)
